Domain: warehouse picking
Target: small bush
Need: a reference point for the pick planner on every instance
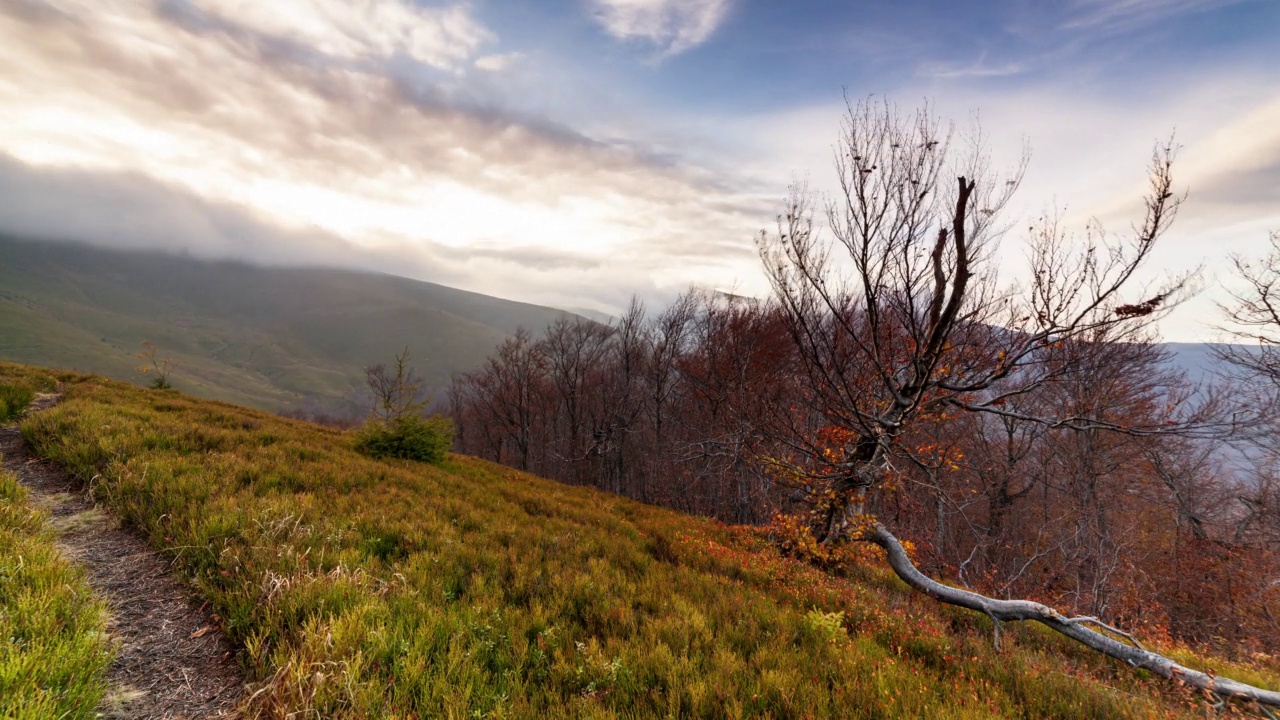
(410, 438)
(828, 626)
(14, 398)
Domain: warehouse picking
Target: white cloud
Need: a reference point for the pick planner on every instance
(443, 37)
(497, 63)
(674, 26)
(976, 69)
(1095, 15)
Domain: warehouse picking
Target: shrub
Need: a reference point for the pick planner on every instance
(152, 361)
(410, 437)
(827, 625)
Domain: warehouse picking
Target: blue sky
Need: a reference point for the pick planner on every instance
(574, 152)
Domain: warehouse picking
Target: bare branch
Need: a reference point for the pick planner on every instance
(1018, 610)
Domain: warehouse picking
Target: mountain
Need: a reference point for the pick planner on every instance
(270, 337)
(1196, 360)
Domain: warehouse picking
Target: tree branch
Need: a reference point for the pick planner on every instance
(1074, 628)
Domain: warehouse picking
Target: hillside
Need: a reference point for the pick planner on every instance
(358, 588)
(271, 338)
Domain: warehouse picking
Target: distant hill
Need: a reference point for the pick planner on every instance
(272, 338)
(1197, 360)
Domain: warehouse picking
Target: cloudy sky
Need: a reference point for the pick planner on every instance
(573, 152)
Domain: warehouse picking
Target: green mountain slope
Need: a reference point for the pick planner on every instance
(272, 338)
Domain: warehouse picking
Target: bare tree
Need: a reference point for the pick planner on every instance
(1254, 315)
(619, 403)
(907, 321)
(510, 391)
(1253, 320)
(575, 351)
(397, 390)
(153, 362)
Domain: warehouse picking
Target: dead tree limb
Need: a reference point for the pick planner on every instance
(1074, 628)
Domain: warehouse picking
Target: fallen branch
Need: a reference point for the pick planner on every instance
(1074, 628)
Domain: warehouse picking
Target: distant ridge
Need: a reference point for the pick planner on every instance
(273, 338)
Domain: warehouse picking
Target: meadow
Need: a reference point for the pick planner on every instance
(362, 588)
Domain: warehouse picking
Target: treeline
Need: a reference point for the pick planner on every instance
(654, 407)
(692, 408)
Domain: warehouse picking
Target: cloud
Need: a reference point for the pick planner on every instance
(325, 157)
(442, 37)
(1124, 15)
(673, 26)
(976, 69)
(127, 211)
(499, 62)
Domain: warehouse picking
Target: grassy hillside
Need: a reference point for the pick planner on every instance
(360, 588)
(265, 337)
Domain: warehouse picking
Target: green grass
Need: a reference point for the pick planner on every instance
(362, 588)
(13, 400)
(16, 393)
(53, 643)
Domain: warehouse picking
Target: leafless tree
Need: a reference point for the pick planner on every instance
(1254, 315)
(397, 390)
(575, 351)
(907, 321)
(153, 362)
(510, 391)
(1253, 321)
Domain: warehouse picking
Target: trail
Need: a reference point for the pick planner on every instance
(172, 661)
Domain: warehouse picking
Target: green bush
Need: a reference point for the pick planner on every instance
(14, 398)
(410, 437)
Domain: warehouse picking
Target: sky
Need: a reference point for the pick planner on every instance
(573, 153)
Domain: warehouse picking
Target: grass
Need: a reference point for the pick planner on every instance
(18, 389)
(363, 588)
(13, 400)
(53, 644)
(16, 393)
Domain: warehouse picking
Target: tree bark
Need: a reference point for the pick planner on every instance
(1074, 628)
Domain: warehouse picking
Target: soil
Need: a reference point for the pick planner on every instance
(172, 661)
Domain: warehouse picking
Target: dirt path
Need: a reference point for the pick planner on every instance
(171, 662)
